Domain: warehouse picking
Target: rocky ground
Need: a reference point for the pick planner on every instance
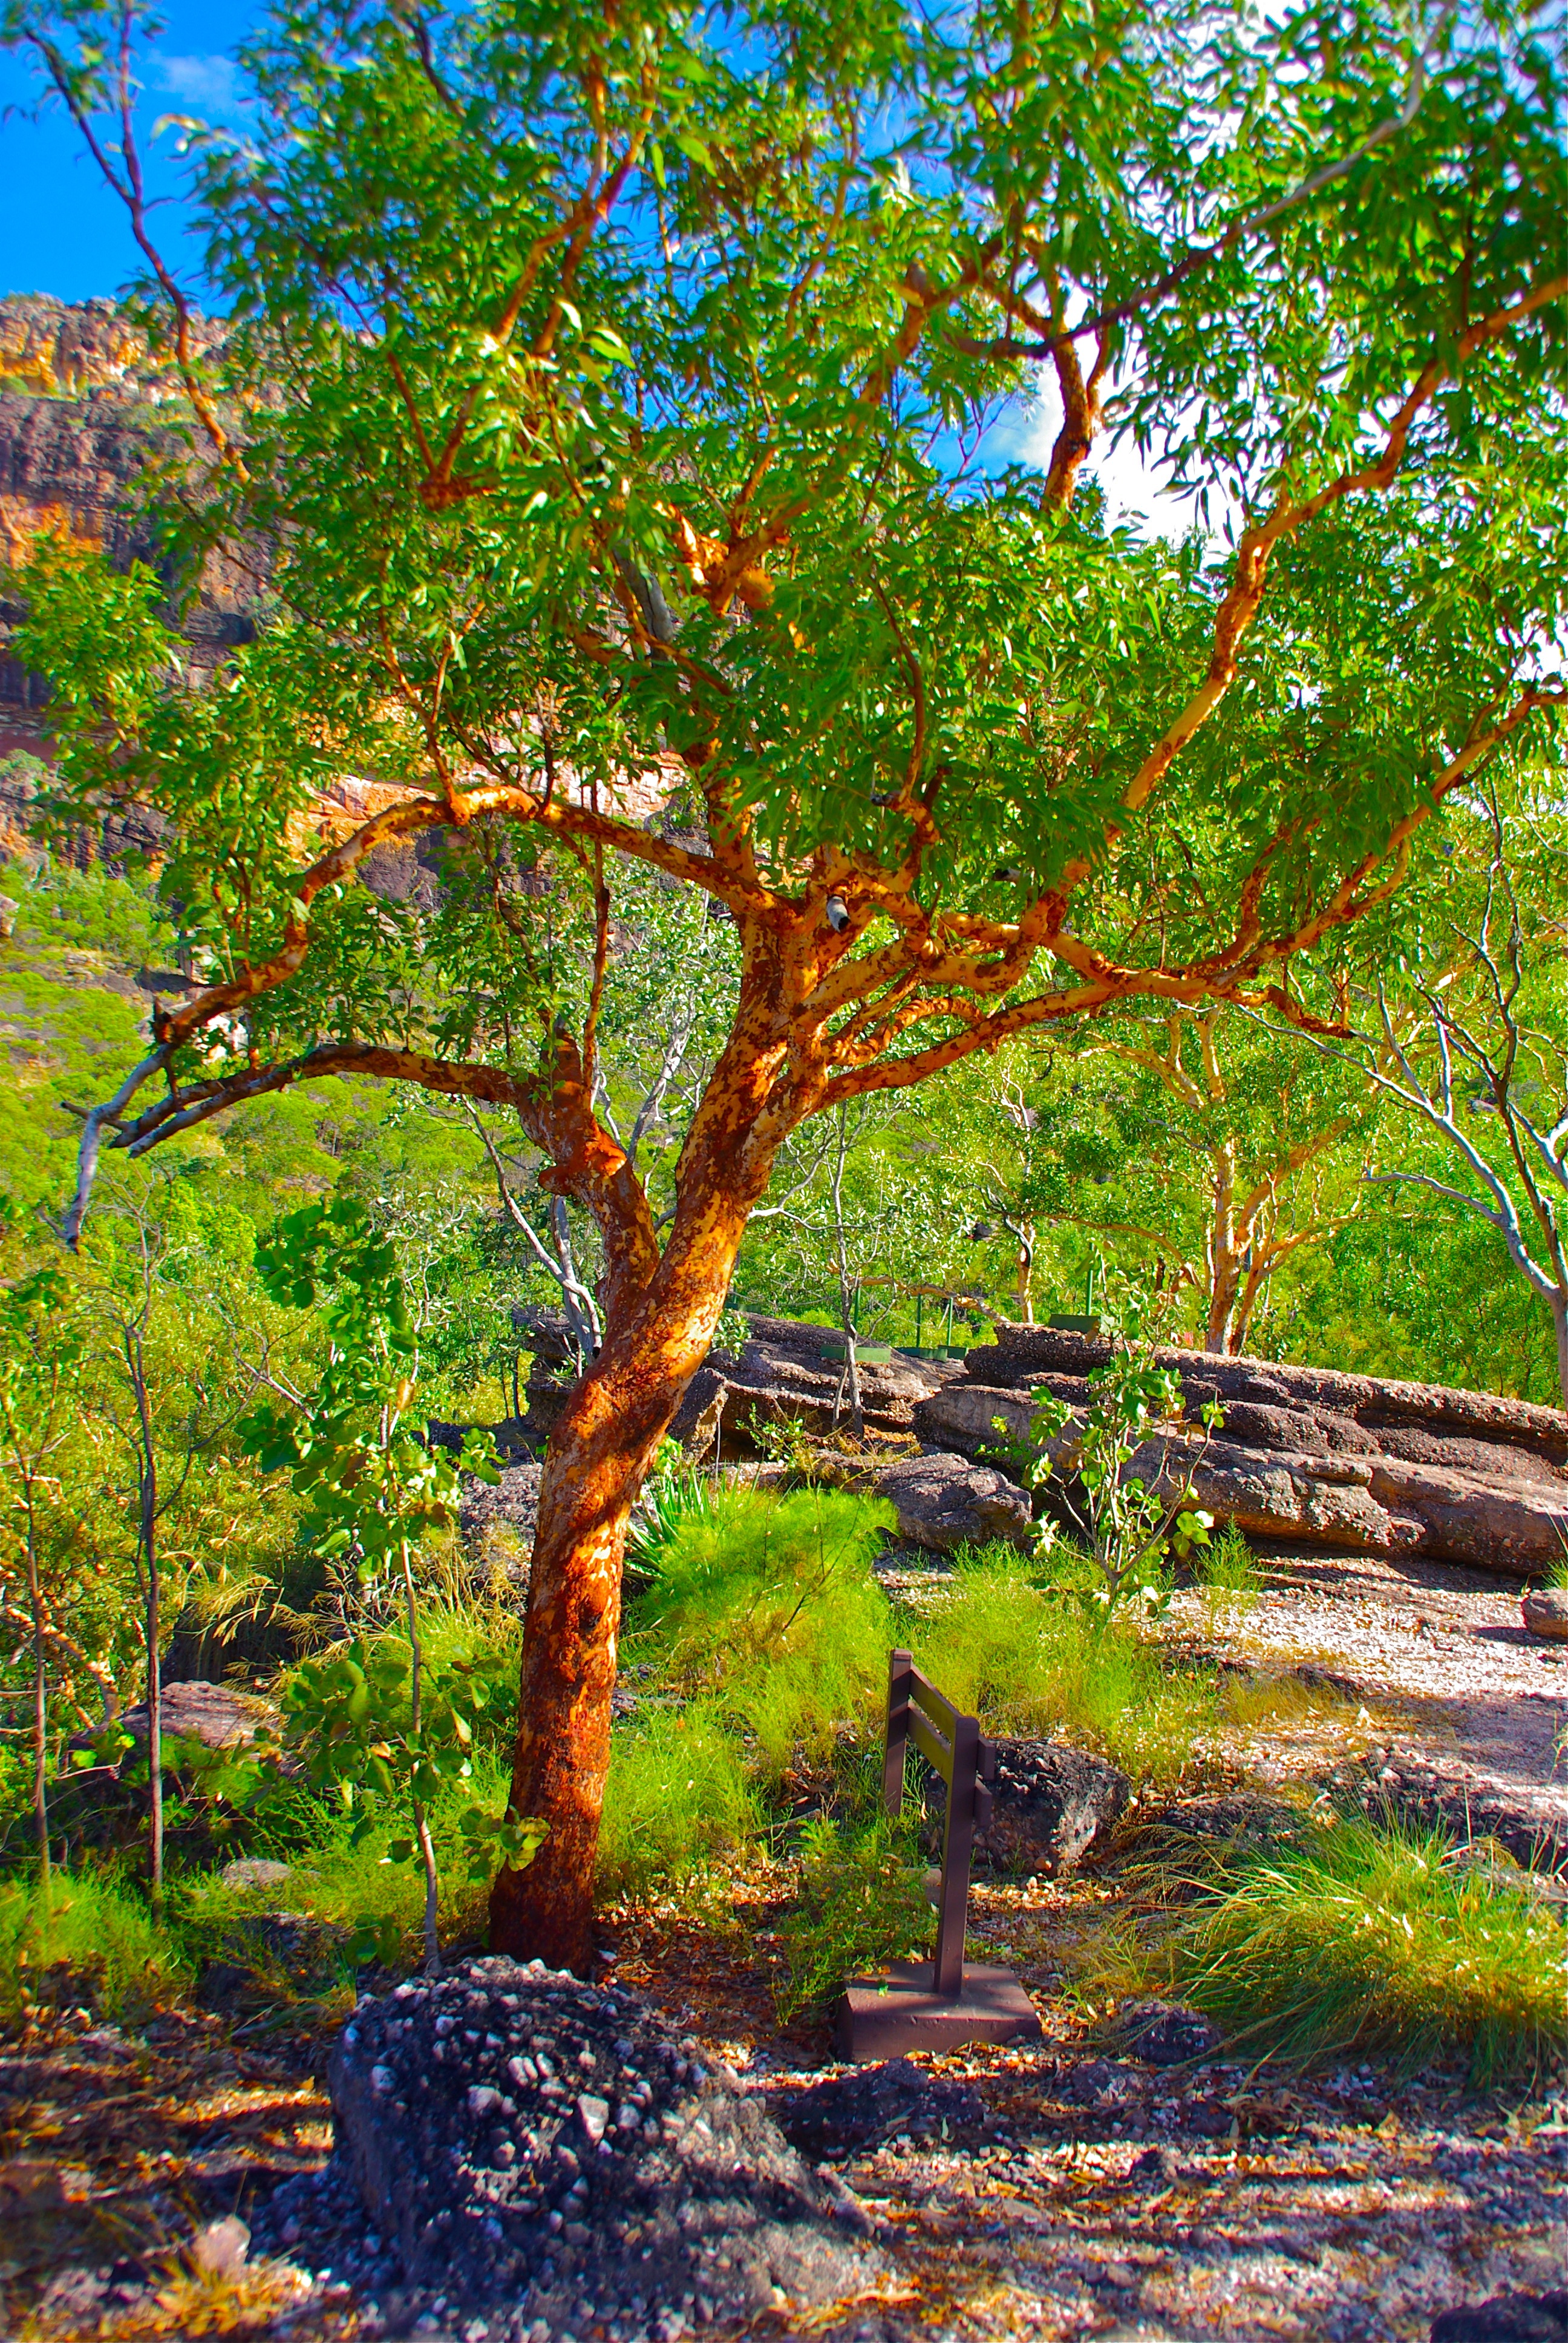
(1465, 1709)
(1068, 2189)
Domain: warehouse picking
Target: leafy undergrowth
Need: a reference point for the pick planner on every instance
(760, 1644)
(92, 1940)
(90, 1934)
(861, 1903)
(757, 1651)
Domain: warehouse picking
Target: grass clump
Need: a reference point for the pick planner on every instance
(1376, 1940)
(90, 1939)
(1029, 1660)
(863, 1902)
(677, 1798)
(1227, 1573)
(766, 1606)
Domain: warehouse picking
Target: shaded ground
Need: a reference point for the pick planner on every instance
(1091, 2194)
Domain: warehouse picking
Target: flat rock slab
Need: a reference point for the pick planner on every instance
(526, 2141)
(1345, 1461)
(888, 2017)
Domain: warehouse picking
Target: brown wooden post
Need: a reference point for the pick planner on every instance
(916, 2004)
(958, 1848)
(900, 1684)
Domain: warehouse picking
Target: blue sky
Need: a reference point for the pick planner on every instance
(61, 231)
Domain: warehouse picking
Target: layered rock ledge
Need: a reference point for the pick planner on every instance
(1304, 1454)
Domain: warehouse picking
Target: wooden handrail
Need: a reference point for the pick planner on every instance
(955, 1749)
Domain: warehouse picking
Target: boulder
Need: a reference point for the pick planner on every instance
(1165, 2034)
(214, 1715)
(518, 2137)
(513, 1501)
(98, 1801)
(942, 1502)
(1546, 1612)
(1050, 1804)
(253, 1871)
(1327, 1500)
(976, 1417)
(845, 2114)
(1518, 1526)
(785, 1374)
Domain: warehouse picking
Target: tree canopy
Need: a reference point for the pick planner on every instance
(619, 403)
(619, 397)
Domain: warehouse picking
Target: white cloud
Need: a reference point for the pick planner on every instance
(207, 83)
(1134, 489)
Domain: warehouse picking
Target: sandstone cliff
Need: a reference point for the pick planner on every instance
(87, 412)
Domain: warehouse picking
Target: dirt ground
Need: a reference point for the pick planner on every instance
(1091, 2194)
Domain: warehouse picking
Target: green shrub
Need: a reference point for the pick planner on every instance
(673, 1494)
(348, 1887)
(1376, 1940)
(1028, 1660)
(766, 1606)
(1227, 1573)
(677, 1798)
(92, 1940)
(863, 1902)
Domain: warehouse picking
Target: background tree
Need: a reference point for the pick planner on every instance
(40, 1360)
(613, 394)
(1477, 1048)
(166, 1401)
(1204, 1147)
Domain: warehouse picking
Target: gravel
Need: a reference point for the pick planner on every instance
(512, 2140)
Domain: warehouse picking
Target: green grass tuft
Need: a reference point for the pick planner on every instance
(1026, 1660)
(677, 1800)
(92, 1940)
(766, 1606)
(863, 1902)
(1229, 1573)
(1375, 1940)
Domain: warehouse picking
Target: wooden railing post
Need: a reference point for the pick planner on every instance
(913, 2005)
(957, 1850)
(900, 1684)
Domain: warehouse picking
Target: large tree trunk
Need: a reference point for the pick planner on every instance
(597, 1457)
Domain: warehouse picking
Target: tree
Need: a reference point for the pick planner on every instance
(1206, 1143)
(165, 1410)
(1483, 1062)
(374, 1492)
(617, 397)
(40, 1357)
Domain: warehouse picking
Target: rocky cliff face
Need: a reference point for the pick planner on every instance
(1304, 1454)
(87, 412)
